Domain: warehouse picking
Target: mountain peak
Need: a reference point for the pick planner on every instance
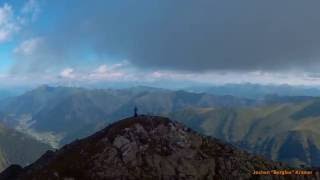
(147, 147)
(44, 87)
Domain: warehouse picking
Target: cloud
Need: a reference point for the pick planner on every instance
(104, 73)
(115, 73)
(8, 26)
(32, 9)
(31, 56)
(28, 47)
(206, 41)
(67, 73)
(194, 36)
(102, 69)
(101, 73)
(35, 55)
(11, 22)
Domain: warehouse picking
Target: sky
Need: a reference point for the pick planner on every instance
(159, 42)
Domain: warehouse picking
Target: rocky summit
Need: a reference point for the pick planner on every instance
(146, 147)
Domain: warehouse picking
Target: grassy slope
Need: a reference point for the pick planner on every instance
(272, 130)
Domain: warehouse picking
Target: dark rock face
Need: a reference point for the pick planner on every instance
(147, 147)
(11, 172)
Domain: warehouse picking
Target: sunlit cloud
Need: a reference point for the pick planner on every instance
(67, 73)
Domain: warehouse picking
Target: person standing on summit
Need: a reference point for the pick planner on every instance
(135, 111)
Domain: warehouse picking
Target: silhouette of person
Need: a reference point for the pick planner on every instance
(135, 111)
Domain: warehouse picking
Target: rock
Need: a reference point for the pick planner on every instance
(11, 172)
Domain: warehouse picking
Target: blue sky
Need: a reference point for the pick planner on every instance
(5, 56)
(82, 42)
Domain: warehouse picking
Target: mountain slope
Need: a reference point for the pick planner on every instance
(18, 148)
(285, 132)
(145, 147)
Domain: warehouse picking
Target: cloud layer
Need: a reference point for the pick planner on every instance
(201, 41)
(195, 35)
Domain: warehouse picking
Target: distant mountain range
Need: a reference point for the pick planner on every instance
(256, 91)
(59, 115)
(146, 147)
(283, 128)
(11, 92)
